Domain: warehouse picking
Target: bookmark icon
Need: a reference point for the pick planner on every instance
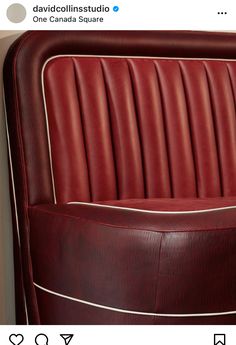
(67, 338)
(219, 339)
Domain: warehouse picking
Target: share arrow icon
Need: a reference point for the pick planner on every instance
(67, 338)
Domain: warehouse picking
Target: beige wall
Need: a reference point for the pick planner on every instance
(7, 303)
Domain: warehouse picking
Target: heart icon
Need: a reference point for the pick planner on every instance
(16, 339)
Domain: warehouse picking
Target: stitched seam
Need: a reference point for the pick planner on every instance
(121, 226)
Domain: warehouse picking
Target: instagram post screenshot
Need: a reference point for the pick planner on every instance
(117, 172)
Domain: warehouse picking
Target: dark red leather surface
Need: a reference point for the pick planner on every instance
(177, 120)
(23, 86)
(134, 262)
(214, 220)
(87, 315)
(123, 129)
(173, 204)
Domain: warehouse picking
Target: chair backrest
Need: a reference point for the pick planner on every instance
(114, 115)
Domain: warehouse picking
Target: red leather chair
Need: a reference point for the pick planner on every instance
(123, 157)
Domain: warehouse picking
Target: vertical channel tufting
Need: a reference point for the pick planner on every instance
(111, 133)
(165, 130)
(181, 160)
(224, 114)
(214, 128)
(149, 112)
(203, 138)
(96, 126)
(141, 127)
(138, 129)
(124, 128)
(224, 110)
(231, 69)
(63, 110)
(189, 124)
(83, 129)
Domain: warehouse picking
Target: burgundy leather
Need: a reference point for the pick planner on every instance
(84, 315)
(121, 259)
(173, 204)
(141, 120)
(103, 97)
(191, 221)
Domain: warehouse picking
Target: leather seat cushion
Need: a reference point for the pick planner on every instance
(133, 261)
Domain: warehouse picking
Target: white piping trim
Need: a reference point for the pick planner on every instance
(26, 310)
(11, 171)
(125, 311)
(97, 56)
(14, 195)
(48, 135)
(150, 211)
(131, 57)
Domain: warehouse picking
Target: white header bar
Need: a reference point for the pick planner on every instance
(121, 15)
